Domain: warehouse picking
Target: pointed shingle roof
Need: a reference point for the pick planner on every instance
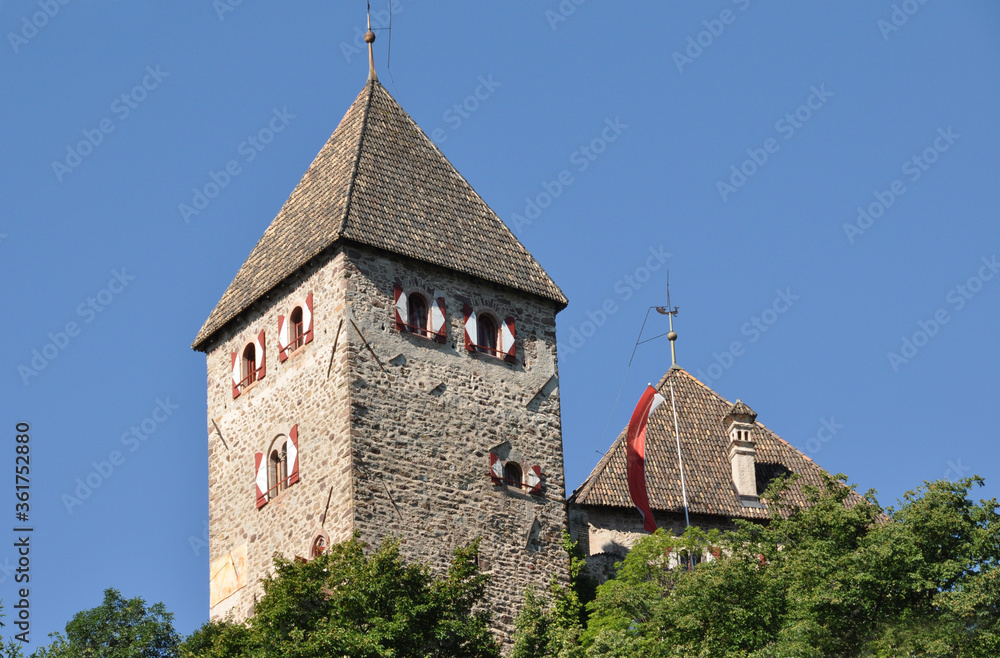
(704, 447)
(380, 181)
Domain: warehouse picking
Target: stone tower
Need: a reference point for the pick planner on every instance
(385, 362)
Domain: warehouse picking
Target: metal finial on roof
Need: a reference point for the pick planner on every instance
(670, 311)
(370, 39)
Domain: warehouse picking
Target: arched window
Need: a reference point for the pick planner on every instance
(512, 474)
(487, 339)
(273, 468)
(296, 330)
(416, 313)
(277, 477)
(249, 366)
(319, 546)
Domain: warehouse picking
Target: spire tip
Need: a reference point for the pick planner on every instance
(370, 39)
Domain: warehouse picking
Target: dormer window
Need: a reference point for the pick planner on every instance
(418, 314)
(295, 331)
(249, 365)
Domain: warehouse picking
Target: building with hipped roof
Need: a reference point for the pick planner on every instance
(728, 457)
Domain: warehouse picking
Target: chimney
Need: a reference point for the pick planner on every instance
(739, 422)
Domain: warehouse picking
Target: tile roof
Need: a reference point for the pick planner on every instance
(381, 181)
(704, 448)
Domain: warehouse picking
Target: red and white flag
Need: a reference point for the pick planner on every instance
(635, 452)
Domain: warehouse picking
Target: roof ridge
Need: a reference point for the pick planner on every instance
(342, 225)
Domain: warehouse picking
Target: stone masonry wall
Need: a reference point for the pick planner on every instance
(422, 430)
(296, 391)
(607, 534)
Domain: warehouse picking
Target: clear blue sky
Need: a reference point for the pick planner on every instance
(669, 99)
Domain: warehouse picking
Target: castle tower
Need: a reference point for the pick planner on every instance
(385, 362)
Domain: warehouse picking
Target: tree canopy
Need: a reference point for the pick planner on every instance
(344, 603)
(841, 577)
(118, 628)
(838, 577)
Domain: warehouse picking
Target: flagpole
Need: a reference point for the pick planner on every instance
(670, 312)
(680, 460)
(680, 463)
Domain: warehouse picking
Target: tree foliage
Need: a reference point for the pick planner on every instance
(840, 577)
(118, 628)
(542, 630)
(344, 603)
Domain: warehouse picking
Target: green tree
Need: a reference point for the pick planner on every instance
(12, 649)
(554, 630)
(839, 577)
(118, 628)
(346, 603)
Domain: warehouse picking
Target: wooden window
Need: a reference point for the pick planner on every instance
(416, 314)
(296, 330)
(512, 474)
(487, 338)
(249, 366)
(277, 473)
(277, 469)
(273, 468)
(283, 469)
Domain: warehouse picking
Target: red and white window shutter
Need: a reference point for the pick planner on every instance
(293, 455)
(261, 355)
(236, 375)
(471, 330)
(401, 308)
(282, 338)
(286, 330)
(307, 319)
(508, 346)
(439, 327)
(496, 469)
(260, 478)
(534, 479)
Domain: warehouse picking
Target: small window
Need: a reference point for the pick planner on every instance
(416, 313)
(296, 330)
(249, 366)
(277, 476)
(512, 474)
(319, 546)
(487, 339)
